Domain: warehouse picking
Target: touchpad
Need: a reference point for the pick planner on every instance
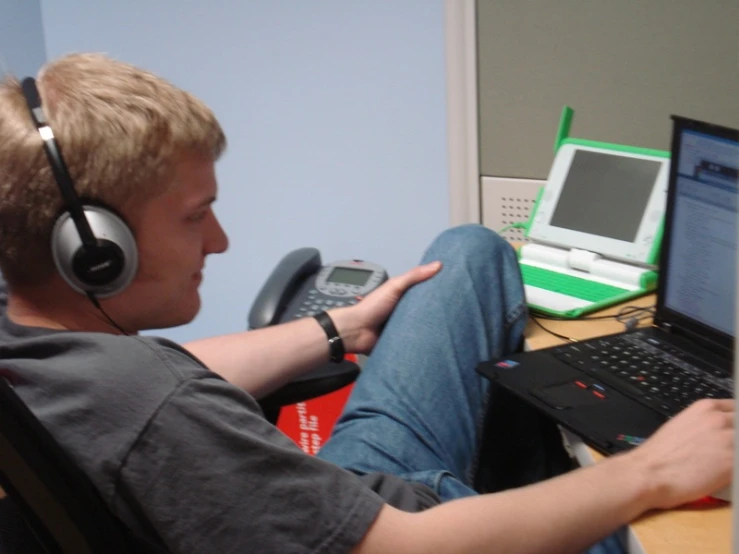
(568, 395)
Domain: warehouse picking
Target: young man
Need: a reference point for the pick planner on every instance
(173, 438)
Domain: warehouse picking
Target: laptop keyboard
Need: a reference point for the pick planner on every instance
(656, 373)
(569, 285)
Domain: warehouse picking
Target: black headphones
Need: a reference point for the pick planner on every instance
(93, 248)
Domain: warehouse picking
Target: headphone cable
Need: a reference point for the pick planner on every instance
(96, 303)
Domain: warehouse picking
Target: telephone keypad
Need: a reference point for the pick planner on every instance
(313, 305)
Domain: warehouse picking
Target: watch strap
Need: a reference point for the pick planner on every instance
(335, 342)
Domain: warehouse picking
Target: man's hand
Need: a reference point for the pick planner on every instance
(691, 455)
(359, 325)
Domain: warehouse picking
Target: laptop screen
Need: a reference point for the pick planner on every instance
(606, 184)
(699, 285)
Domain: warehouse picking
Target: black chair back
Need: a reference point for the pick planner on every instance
(51, 506)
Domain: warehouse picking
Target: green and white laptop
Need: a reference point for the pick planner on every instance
(595, 231)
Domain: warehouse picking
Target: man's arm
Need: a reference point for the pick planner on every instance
(262, 360)
(690, 457)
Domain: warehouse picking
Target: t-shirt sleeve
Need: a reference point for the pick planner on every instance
(211, 475)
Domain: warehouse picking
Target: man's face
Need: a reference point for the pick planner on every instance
(175, 232)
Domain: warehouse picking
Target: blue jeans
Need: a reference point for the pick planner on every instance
(419, 409)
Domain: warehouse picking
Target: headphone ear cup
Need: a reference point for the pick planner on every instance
(104, 270)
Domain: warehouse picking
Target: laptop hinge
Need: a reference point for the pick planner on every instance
(700, 340)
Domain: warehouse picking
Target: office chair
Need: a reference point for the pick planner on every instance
(324, 380)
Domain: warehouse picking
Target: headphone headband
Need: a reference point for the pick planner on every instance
(58, 167)
(94, 258)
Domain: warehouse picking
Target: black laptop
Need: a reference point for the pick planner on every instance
(615, 391)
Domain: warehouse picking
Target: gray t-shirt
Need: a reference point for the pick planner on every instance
(184, 457)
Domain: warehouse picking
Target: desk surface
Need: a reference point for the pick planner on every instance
(705, 530)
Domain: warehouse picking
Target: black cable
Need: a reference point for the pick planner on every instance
(636, 312)
(630, 316)
(562, 337)
(96, 303)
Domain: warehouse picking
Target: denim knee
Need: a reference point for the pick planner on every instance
(471, 240)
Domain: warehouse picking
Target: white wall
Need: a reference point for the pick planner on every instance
(335, 115)
(22, 49)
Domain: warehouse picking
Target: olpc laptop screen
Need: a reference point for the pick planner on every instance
(606, 184)
(699, 261)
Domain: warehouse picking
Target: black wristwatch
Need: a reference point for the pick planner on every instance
(335, 343)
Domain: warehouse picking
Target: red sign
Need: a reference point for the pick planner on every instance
(310, 423)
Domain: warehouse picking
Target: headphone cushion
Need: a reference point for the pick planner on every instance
(104, 270)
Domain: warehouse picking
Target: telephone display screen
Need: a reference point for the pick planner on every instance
(349, 276)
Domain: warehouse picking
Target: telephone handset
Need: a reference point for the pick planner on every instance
(301, 286)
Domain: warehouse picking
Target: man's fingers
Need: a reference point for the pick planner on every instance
(721, 405)
(404, 281)
(423, 272)
(725, 405)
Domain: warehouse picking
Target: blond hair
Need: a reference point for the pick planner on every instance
(121, 131)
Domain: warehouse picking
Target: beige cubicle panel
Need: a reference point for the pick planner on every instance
(623, 66)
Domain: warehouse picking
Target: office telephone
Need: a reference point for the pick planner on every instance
(301, 286)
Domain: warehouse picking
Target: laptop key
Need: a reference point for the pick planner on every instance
(613, 380)
(719, 372)
(662, 385)
(665, 407)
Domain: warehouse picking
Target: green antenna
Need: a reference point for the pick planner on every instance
(565, 122)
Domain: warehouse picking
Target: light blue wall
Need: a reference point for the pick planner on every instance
(335, 115)
(22, 49)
